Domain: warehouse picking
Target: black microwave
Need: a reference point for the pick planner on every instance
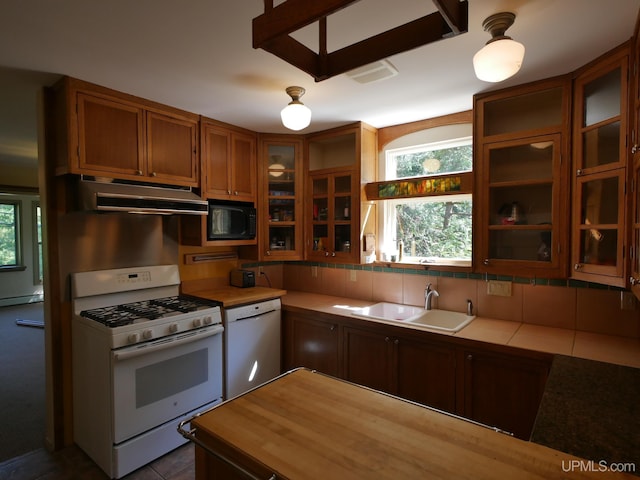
(231, 220)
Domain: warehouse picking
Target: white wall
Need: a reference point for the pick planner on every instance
(21, 286)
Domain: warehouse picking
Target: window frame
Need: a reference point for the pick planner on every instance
(387, 244)
(19, 265)
(38, 244)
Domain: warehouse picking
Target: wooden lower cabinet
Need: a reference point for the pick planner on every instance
(311, 342)
(368, 358)
(426, 373)
(421, 371)
(495, 385)
(504, 390)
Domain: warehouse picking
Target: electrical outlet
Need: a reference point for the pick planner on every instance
(499, 288)
(352, 275)
(628, 301)
(260, 270)
(314, 271)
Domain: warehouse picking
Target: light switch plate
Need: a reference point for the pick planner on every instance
(499, 288)
(352, 275)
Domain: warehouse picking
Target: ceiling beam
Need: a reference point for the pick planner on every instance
(290, 16)
(271, 33)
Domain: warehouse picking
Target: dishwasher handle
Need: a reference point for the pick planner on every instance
(232, 319)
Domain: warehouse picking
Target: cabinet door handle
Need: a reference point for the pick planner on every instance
(387, 339)
(485, 261)
(634, 149)
(396, 341)
(333, 327)
(469, 357)
(333, 254)
(138, 172)
(326, 253)
(579, 172)
(577, 266)
(268, 252)
(154, 174)
(634, 281)
(235, 192)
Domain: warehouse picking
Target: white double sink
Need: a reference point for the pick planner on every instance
(437, 319)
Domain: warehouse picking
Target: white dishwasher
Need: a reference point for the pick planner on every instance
(251, 346)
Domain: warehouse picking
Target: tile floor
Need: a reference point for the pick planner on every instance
(73, 464)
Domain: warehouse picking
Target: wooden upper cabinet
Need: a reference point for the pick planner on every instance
(229, 162)
(600, 169)
(116, 135)
(338, 165)
(521, 165)
(172, 148)
(110, 136)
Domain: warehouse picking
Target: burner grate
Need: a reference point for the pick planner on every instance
(119, 315)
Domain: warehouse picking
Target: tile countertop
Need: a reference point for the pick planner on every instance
(592, 346)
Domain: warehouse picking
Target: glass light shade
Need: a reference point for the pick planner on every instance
(296, 116)
(498, 60)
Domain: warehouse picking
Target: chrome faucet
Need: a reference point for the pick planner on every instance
(429, 292)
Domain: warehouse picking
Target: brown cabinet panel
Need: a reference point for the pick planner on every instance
(172, 149)
(110, 136)
(228, 162)
(243, 166)
(503, 391)
(368, 359)
(426, 373)
(311, 343)
(215, 158)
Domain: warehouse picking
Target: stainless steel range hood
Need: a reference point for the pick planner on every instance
(108, 195)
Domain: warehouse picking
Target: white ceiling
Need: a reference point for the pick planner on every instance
(197, 55)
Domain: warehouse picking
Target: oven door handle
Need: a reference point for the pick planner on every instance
(168, 342)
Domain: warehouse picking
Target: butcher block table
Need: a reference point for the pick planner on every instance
(306, 425)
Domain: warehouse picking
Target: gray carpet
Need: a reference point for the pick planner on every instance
(22, 381)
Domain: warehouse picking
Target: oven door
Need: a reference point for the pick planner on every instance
(158, 381)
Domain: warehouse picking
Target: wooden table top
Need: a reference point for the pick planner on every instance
(233, 296)
(306, 425)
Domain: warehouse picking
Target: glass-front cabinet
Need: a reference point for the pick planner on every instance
(521, 196)
(280, 209)
(600, 171)
(523, 201)
(332, 225)
(339, 163)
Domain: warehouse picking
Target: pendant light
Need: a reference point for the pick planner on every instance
(501, 57)
(296, 115)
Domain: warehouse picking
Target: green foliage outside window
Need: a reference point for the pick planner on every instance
(9, 234)
(437, 227)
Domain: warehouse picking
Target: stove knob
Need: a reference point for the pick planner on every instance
(134, 337)
(207, 320)
(197, 322)
(147, 334)
(173, 328)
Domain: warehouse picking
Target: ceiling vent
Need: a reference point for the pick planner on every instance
(373, 72)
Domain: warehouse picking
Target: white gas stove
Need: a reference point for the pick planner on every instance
(144, 358)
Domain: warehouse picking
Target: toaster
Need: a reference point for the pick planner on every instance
(243, 278)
